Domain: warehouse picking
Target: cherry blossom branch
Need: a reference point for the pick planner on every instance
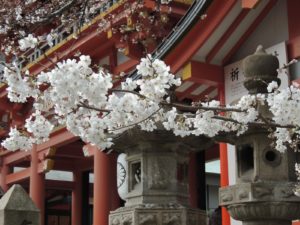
(134, 124)
(59, 11)
(195, 108)
(84, 105)
(285, 66)
(84, 8)
(255, 124)
(128, 91)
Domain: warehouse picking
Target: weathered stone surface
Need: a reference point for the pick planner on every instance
(17, 208)
(155, 214)
(135, 138)
(157, 178)
(258, 192)
(258, 161)
(261, 202)
(157, 165)
(260, 69)
(266, 178)
(157, 182)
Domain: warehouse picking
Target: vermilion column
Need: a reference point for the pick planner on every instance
(224, 179)
(224, 166)
(37, 184)
(4, 172)
(77, 199)
(101, 188)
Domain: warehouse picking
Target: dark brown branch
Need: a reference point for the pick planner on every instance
(131, 92)
(227, 119)
(93, 108)
(59, 11)
(255, 124)
(195, 108)
(133, 124)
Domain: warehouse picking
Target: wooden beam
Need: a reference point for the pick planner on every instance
(59, 185)
(212, 153)
(226, 35)
(176, 9)
(57, 139)
(18, 176)
(65, 164)
(126, 66)
(204, 94)
(249, 4)
(244, 37)
(182, 95)
(12, 158)
(203, 73)
(199, 34)
(43, 166)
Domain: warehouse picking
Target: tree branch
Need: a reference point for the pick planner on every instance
(133, 124)
(82, 104)
(59, 11)
(131, 92)
(255, 124)
(195, 108)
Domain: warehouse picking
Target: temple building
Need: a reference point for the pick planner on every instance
(203, 41)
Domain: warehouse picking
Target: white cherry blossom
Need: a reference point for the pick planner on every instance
(39, 127)
(85, 101)
(17, 140)
(28, 42)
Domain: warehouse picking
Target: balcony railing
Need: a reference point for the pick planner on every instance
(62, 35)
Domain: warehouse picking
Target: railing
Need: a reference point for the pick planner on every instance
(196, 10)
(61, 34)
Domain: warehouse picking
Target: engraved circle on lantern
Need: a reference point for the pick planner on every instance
(271, 156)
(122, 176)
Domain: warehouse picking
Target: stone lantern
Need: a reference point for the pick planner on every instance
(17, 208)
(266, 178)
(157, 182)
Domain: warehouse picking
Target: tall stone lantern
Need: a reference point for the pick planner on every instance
(157, 179)
(263, 194)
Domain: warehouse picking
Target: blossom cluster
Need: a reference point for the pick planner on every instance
(297, 188)
(21, 20)
(87, 103)
(28, 42)
(80, 99)
(19, 88)
(285, 108)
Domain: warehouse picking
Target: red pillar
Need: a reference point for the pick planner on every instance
(77, 199)
(224, 166)
(101, 188)
(4, 173)
(37, 184)
(224, 179)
